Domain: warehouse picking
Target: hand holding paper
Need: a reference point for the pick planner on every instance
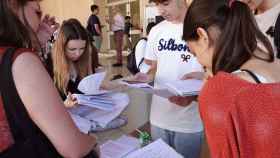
(194, 75)
(182, 101)
(91, 84)
(139, 78)
(70, 101)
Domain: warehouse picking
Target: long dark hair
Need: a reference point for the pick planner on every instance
(12, 31)
(238, 37)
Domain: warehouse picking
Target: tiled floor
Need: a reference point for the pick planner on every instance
(107, 60)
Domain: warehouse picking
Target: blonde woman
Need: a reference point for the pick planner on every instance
(71, 58)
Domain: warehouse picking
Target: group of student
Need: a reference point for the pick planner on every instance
(220, 42)
(216, 41)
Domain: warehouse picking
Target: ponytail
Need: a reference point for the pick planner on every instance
(238, 40)
(238, 36)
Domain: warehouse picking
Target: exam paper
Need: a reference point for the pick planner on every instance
(164, 92)
(185, 87)
(157, 149)
(100, 116)
(83, 124)
(91, 84)
(119, 148)
(102, 102)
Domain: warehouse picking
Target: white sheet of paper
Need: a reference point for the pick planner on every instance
(165, 93)
(91, 84)
(157, 149)
(119, 148)
(83, 124)
(185, 87)
(101, 102)
(104, 117)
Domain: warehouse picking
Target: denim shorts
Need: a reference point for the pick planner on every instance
(187, 144)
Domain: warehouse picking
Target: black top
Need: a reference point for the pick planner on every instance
(93, 19)
(127, 27)
(29, 140)
(72, 88)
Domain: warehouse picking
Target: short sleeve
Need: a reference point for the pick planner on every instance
(94, 20)
(151, 47)
(140, 50)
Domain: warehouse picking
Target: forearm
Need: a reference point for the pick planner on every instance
(153, 68)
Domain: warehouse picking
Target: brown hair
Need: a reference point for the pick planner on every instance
(70, 30)
(238, 32)
(13, 32)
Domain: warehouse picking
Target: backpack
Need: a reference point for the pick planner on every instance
(131, 60)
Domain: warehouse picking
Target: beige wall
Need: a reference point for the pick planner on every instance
(80, 9)
(65, 9)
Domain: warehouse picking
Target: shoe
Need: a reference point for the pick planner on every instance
(117, 64)
(99, 65)
(117, 77)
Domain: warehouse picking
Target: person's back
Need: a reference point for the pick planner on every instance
(239, 102)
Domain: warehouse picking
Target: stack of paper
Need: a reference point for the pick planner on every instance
(98, 108)
(173, 88)
(91, 85)
(119, 148)
(98, 116)
(185, 87)
(157, 149)
(102, 102)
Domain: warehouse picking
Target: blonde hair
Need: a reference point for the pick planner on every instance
(70, 30)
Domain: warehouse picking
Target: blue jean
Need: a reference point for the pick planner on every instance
(187, 144)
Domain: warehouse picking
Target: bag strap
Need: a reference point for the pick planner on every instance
(255, 77)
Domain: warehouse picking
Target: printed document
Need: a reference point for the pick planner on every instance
(157, 149)
(91, 84)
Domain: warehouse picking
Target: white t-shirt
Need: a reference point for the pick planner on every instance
(267, 20)
(165, 45)
(140, 50)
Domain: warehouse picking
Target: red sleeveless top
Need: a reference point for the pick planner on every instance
(5, 134)
(241, 119)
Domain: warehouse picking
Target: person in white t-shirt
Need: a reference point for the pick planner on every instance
(266, 15)
(175, 120)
